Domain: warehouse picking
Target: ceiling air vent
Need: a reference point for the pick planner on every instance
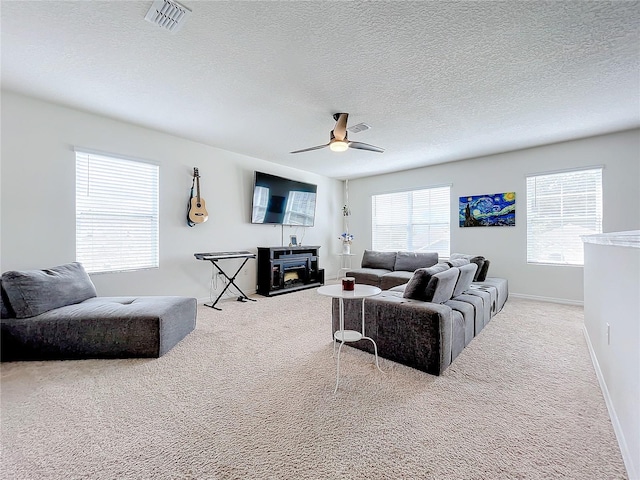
(167, 14)
(361, 127)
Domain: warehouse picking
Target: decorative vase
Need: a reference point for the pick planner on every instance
(346, 248)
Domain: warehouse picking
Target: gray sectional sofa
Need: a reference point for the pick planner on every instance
(428, 321)
(56, 314)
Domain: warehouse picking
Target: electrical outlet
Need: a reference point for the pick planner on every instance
(608, 334)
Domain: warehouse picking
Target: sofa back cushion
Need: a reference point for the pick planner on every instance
(441, 286)
(416, 289)
(374, 259)
(32, 292)
(411, 261)
(458, 262)
(477, 259)
(467, 272)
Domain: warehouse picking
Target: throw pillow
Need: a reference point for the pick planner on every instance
(375, 259)
(411, 261)
(482, 275)
(416, 289)
(32, 292)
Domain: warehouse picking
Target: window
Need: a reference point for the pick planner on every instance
(560, 208)
(417, 220)
(116, 213)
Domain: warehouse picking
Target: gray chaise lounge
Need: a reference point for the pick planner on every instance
(56, 314)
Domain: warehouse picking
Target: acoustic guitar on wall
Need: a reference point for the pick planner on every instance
(197, 210)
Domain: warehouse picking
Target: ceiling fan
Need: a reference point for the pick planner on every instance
(339, 141)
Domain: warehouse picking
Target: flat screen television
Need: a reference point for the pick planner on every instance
(282, 201)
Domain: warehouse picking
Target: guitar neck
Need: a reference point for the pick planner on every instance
(198, 188)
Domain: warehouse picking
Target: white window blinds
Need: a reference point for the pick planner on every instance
(417, 220)
(560, 208)
(116, 213)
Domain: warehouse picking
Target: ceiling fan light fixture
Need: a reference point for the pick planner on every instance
(338, 146)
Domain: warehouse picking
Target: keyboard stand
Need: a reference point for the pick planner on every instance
(214, 259)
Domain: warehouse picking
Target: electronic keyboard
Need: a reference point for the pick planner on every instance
(224, 255)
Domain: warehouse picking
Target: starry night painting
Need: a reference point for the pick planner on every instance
(496, 210)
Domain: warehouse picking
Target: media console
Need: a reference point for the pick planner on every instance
(287, 269)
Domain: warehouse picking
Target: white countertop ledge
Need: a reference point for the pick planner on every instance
(616, 239)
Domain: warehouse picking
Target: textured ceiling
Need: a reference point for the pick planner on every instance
(437, 81)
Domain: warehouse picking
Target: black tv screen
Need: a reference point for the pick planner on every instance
(283, 201)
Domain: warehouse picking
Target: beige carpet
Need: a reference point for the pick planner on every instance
(249, 394)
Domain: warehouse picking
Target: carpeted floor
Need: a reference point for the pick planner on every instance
(249, 395)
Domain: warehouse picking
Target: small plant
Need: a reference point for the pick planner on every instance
(346, 237)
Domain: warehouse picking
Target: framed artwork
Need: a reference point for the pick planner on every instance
(491, 210)
(293, 240)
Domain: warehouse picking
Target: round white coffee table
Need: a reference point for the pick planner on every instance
(342, 335)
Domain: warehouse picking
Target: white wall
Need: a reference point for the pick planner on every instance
(505, 247)
(611, 286)
(38, 199)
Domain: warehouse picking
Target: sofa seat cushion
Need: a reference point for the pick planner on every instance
(378, 260)
(33, 292)
(491, 290)
(457, 334)
(368, 276)
(502, 288)
(101, 327)
(480, 316)
(468, 313)
(394, 279)
(485, 297)
(411, 261)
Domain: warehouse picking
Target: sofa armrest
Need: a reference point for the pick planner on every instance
(415, 333)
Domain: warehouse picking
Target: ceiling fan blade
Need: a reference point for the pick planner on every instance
(365, 146)
(340, 130)
(311, 148)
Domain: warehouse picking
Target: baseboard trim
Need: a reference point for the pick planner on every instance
(547, 299)
(617, 429)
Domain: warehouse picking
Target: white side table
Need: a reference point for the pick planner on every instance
(345, 263)
(342, 335)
